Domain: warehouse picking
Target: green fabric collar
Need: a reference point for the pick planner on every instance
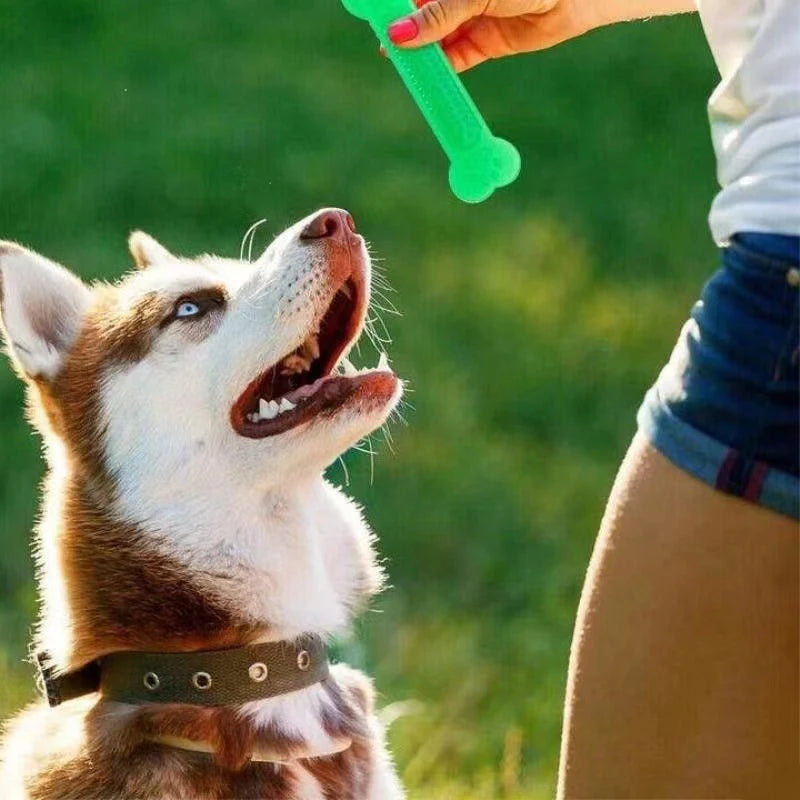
(202, 678)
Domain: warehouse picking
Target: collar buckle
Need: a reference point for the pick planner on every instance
(46, 681)
(58, 688)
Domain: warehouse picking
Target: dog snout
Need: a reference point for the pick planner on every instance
(334, 224)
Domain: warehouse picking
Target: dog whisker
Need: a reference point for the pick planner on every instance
(249, 233)
(345, 470)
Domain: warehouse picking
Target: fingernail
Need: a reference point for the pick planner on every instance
(404, 30)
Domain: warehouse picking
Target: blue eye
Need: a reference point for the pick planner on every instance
(187, 309)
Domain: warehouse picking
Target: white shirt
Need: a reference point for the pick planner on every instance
(755, 114)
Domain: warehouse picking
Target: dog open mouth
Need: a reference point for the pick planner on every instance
(303, 383)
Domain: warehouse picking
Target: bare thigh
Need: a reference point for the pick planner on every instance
(683, 679)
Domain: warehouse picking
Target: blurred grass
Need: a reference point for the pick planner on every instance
(532, 323)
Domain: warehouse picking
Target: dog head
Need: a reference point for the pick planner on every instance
(209, 364)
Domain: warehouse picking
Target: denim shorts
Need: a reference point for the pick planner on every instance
(726, 407)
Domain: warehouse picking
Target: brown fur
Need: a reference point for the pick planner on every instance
(345, 776)
(121, 595)
(126, 596)
(110, 336)
(89, 749)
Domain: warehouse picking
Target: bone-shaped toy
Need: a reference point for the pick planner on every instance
(479, 161)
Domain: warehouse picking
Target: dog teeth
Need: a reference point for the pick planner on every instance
(268, 409)
(295, 363)
(309, 350)
(346, 367)
(312, 347)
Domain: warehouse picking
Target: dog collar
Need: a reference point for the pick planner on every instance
(201, 678)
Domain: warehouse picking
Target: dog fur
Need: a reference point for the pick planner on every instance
(162, 529)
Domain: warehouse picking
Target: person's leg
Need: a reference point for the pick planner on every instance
(683, 679)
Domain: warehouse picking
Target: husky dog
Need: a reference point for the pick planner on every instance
(188, 413)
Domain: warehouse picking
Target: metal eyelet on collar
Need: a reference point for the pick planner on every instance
(793, 277)
(303, 660)
(258, 672)
(151, 681)
(201, 681)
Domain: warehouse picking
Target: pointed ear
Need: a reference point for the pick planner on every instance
(146, 250)
(42, 306)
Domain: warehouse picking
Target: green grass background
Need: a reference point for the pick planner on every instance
(532, 324)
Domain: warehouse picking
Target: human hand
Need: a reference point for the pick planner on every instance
(473, 31)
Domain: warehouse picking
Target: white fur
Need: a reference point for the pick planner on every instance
(56, 625)
(146, 250)
(298, 714)
(306, 785)
(286, 549)
(385, 784)
(42, 308)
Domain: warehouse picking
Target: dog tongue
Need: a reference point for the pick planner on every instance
(302, 392)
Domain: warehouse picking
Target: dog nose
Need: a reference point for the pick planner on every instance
(330, 223)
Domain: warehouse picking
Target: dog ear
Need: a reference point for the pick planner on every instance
(42, 306)
(147, 251)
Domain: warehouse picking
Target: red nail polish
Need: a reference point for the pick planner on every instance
(404, 30)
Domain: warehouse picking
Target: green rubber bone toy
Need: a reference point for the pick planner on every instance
(479, 161)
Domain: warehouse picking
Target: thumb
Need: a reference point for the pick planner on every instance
(433, 21)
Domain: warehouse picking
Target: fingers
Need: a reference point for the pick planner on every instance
(461, 54)
(485, 37)
(466, 53)
(433, 21)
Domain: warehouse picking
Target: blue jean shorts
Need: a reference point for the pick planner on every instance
(726, 407)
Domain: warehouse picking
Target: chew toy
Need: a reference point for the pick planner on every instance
(479, 161)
